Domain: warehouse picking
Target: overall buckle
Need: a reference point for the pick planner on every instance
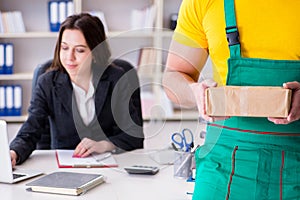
(232, 35)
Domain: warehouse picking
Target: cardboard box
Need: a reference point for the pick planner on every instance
(251, 101)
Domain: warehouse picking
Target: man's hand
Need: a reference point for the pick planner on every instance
(294, 113)
(199, 93)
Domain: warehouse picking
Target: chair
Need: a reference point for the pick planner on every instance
(45, 141)
(133, 81)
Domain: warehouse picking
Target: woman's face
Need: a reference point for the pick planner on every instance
(75, 55)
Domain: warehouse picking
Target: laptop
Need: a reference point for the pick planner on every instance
(7, 174)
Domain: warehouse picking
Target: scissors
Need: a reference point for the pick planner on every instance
(184, 140)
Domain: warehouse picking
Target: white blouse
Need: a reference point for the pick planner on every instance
(85, 102)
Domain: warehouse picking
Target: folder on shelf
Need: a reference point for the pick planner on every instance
(59, 10)
(1, 23)
(2, 100)
(11, 22)
(53, 16)
(101, 16)
(70, 8)
(18, 22)
(143, 18)
(9, 100)
(9, 58)
(2, 57)
(147, 61)
(62, 11)
(65, 159)
(17, 109)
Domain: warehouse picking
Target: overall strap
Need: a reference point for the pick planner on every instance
(232, 33)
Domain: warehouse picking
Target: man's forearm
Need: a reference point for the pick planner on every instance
(177, 87)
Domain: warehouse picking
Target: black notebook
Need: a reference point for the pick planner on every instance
(68, 183)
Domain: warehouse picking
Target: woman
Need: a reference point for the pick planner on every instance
(85, 98)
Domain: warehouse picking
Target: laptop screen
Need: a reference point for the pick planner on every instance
(6, 174)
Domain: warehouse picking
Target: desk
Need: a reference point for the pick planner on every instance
(119, 184)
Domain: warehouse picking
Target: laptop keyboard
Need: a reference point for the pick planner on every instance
(18, 175)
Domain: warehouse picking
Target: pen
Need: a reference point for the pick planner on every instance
(194, 148)
(87, 166)
(187, 158)
(101, 158)
(174, 146)
(81, 166)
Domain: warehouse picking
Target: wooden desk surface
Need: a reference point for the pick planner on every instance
(119, 185)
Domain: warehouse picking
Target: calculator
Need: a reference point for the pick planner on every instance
(142, 169)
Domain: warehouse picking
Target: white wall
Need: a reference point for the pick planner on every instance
(158, 134)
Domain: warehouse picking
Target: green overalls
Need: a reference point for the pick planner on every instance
(244, 157)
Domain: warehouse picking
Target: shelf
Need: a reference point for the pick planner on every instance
(20, 76)
(14, 119)
(123, 34)
(167, 33)
(29, 35)
(186, 115)
(130, 34)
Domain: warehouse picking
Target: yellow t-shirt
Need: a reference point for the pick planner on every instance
(268, 29)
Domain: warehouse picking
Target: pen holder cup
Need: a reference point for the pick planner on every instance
(182, 164)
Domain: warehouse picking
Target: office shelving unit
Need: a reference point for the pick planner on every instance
(37, 44)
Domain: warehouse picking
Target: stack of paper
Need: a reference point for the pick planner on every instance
(66, 159)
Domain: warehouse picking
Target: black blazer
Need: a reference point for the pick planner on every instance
(119, 121)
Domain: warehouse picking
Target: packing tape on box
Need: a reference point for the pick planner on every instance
(244, 101)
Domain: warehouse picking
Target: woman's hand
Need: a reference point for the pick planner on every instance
(13, 157)
(294, 113)
(199, 93)
(88, 146)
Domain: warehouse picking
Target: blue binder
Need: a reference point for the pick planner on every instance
(62, 11)
(2, 58)
(9, 58)
(9, 100)
(58, 11)
(53, 16)
(17, 96)
(2, 100)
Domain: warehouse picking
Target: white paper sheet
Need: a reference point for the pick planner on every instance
(65, 159)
